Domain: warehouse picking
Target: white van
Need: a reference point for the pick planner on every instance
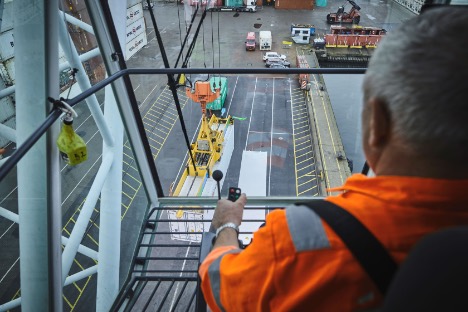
(265, 40)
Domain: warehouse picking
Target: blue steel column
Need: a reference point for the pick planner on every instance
(36, 62)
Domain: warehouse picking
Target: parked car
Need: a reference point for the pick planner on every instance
(272, 61)
(277, 65)
(269, 55)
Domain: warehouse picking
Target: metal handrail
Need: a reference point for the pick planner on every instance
(129, 293)
(11, 162)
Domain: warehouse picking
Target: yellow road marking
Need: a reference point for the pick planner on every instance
(306, 182)
(92, 239)
(164, 114)
(302, 161)
(305, 131)
(157, 136)
(130, 204)
(302, 143)
(308, 176)
(128, 174)
(162, 111)
(68, 302)
(125, 182)
(309, 189)
(81, 293)
(129, 156)
(76, 286)
(306, 126)
(305, 167)
(126, 194)
(78, 264)
(304, 122)
(301, 122)
(130, 165)
(332, 138)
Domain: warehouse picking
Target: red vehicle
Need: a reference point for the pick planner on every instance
(250, 42)
(353, 16)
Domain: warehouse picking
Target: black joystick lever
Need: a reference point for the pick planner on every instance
(218, 175)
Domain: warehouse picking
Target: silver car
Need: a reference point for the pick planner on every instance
(271, 62)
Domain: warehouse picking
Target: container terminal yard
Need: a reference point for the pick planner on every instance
(281, 140)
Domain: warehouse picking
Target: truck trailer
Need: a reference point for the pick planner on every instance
(235, 6)
(265, 40)
(218, 103)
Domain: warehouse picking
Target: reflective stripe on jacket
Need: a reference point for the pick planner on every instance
(297, 263)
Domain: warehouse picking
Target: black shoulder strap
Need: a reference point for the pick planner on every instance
(364, 246)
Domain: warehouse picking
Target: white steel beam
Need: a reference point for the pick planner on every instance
(7, 214)
(85, 215)
(83, 58)
(86, 251)
(74, 21)
(36, 65)
(3, 160)
(83, 81)
(107, 52)
(7, 91)
(111, 194)
(71, 279)
(110, 213)
(8, 133)
(81, 275)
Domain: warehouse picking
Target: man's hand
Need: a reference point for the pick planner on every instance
(227, 211)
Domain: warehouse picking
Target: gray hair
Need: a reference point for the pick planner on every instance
(420, 71)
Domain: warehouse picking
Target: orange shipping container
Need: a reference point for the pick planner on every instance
(295, 4)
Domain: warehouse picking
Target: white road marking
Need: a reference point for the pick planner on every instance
(8, 195)
(178, 283)
(11, 267)
(233, 92)
(13, 223)
(84, 176)
(271, 136)
(293, 134)
(269, 132)
(250, 118)
(147, 96)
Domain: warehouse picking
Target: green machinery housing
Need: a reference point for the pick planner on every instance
(215, 82)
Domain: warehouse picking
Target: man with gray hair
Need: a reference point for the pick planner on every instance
(415, 140)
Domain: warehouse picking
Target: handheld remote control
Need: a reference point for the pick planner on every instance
(234, 193)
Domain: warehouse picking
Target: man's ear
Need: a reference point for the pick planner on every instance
(379, 123)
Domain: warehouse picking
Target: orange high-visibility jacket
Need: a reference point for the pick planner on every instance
(297, 263)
